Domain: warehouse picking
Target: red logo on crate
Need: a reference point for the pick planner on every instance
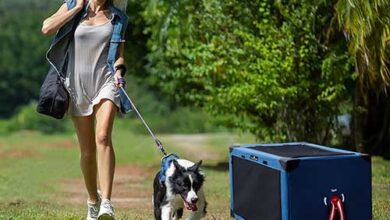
(336, 208)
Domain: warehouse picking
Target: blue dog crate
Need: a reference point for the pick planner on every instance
(299, 181)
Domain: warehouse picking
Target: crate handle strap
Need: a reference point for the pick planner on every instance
(336, 206)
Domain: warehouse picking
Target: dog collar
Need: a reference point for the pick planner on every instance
(165, 162)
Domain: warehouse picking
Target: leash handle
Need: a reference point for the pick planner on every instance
(156, 140)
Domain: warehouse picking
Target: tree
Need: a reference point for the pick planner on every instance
(22, 52)
(276, 68)
(367, 27)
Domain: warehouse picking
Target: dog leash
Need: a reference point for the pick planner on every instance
(156, 140)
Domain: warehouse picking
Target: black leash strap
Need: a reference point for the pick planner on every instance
(156, 140)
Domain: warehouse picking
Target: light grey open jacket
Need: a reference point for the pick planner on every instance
(57, 56)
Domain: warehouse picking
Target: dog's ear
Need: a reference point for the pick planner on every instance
(177, 166)
(196, 166)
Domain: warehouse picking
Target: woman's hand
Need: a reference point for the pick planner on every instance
(119, 79)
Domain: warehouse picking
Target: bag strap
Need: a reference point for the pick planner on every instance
(78, 18)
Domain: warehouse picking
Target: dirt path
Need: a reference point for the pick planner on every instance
(194, 145)
(131, 188)
(133, 184)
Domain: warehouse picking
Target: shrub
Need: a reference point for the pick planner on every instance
(182, 120)
(27, 118)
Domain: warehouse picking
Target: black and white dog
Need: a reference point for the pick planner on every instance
(182, 187)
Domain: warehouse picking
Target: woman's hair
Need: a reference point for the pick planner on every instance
(109, 2)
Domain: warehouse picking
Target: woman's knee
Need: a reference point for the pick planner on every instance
(103, 139)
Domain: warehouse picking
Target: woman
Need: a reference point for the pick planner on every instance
(94, 53)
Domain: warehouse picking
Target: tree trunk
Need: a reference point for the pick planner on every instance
(358, 116)
(371, 122)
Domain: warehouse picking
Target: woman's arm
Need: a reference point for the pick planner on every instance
(119, 60)
(57, 20)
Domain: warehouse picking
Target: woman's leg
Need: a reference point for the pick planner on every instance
(84, 126)
(105, 114)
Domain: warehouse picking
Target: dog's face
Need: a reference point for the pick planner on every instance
(186, 182)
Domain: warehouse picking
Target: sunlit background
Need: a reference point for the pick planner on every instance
(206, 74)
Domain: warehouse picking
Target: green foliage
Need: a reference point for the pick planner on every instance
(163, 117)
(367, 26)
(182, 121)
(28, 119)
(22, 51)
(274, 67)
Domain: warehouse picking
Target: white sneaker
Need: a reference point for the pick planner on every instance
(106, 211)
(93, 208)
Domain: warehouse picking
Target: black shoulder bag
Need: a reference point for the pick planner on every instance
(54, 97)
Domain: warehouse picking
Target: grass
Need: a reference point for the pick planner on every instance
(32, 165)
(381, 188)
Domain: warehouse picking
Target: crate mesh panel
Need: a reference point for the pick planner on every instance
(296, 151)
(256, 190)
